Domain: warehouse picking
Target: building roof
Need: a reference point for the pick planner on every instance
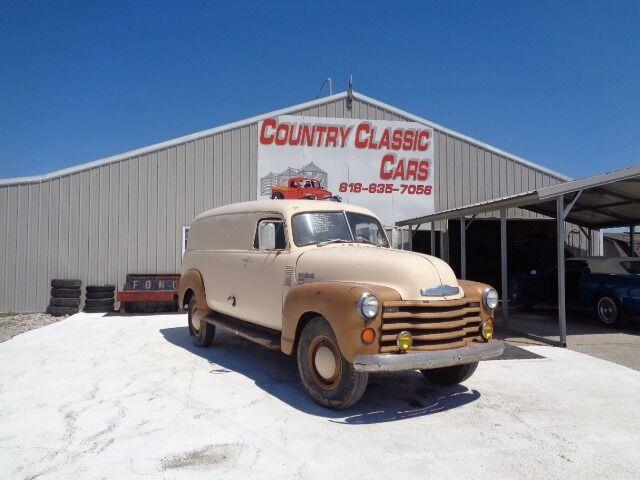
(285, 111)
(608, 200)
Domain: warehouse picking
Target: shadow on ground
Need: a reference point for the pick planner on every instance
(389, 397)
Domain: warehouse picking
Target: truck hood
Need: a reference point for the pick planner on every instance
(406, 272)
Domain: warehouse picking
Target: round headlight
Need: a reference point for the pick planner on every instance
(490, 298)
(368, 305)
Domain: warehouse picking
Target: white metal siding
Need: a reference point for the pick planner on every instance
(126, 216)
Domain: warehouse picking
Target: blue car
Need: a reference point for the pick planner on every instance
(608, 286)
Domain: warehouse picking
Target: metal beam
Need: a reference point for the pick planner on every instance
(562, 313)
(463, 249)
(503, 268)
(433, 238)
(632, 240)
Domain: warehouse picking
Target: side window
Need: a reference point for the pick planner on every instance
(270, 235)
(185, 238)
(293, 184)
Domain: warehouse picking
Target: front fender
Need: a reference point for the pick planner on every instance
(337, 303)
(192, 280)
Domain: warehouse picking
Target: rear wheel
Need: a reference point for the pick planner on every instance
(201, 332)
(328, 378)
(609, 311)
(450, 375)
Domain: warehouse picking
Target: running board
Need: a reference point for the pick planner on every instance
(260, 335)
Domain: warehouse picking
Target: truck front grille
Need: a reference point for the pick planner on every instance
(434, 325)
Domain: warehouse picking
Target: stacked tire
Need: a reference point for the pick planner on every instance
(99, 298)
(65, 297)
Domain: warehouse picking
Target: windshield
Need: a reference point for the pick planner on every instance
(321, 227)
(632, 267)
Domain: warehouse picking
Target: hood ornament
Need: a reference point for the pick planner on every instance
(439, 290)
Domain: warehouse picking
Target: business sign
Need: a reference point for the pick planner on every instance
(384, 166)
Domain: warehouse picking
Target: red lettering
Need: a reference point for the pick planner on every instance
(399, 170)
(396, 141)
(306, 137)
(423, 140)
(423, 170)
(389, 158)
(266, 139)
(384, 140)
(332, 136)
(344, 134)
(282, 132)
(407, 144)
(412, 168)
(362, 128)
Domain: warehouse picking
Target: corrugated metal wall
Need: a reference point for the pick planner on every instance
(127, 216)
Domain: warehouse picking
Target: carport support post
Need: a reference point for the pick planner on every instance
(433, 238)
(503, 268)
(632, 240)
(562, 314)
(463, 249)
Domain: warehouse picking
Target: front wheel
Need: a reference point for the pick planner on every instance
(609, 312)
(277, 196)
(450, 375)
(201, 332)
(328, 378)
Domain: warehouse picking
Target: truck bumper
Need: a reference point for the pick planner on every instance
(394, 362)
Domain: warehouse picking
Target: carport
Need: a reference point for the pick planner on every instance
(602, 201)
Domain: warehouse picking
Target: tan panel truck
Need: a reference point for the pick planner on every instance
(318, 280)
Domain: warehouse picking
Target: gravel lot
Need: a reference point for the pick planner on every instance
(131, 397)
(15, 324)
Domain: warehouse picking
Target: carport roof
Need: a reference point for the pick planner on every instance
(608, 200)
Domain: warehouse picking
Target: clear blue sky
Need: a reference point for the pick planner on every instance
(557, 83)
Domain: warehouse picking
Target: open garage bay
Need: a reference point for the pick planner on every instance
(115, 397)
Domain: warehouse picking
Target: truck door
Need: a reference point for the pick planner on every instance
(264, 274)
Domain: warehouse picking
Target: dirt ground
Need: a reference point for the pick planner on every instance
(12, 324)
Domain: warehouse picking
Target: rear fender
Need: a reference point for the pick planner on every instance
(192, 280)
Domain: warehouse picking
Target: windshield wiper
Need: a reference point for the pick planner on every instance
(333, 240)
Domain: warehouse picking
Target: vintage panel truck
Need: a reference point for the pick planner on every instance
(319, 281)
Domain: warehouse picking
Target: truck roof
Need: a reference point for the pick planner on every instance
(284, 207)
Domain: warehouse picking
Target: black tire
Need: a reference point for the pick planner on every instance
(61, 311)
(66, 293)
(99, 302)
(341, 385)
(95, 295)
(103, 309)
(450, 375)
(64, 302)
(609, 312)
(277, 196)
(64, 283)
(100, 288)
(202, 334)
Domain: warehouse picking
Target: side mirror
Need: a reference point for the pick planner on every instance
(267, 236)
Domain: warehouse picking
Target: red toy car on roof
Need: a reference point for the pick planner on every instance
(301, 188)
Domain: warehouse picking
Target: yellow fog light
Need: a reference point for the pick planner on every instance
(486, 329)
(404, 340)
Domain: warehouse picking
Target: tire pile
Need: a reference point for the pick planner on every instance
(99, 298)
(65, 297)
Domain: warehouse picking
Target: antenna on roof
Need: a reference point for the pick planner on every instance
(350, 92)
(328, 80)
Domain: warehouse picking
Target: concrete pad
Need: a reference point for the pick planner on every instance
(123, 397)
(585, 334)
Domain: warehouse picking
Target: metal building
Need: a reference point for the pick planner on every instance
(125, 214)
